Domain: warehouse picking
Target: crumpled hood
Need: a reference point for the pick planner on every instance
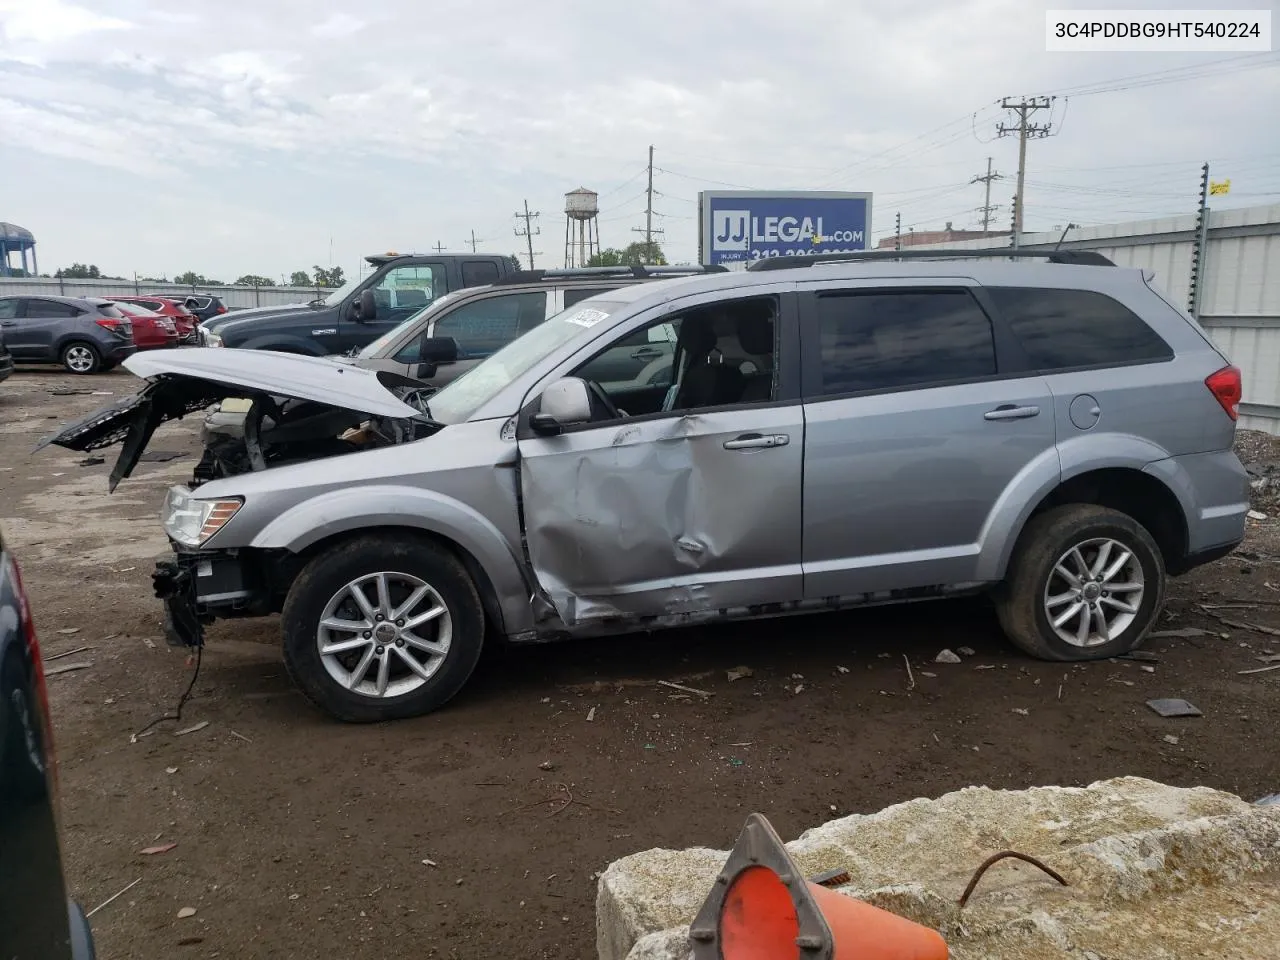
(184, 381)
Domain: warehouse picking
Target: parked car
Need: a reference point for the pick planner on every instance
(828, 435)
(84, 334)
(205, 306)
(467, 326)
(359, 311)
(183, 319)
(151, 331)
(37, 919)
(6, 360)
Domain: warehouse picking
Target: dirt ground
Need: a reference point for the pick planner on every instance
(477, 832)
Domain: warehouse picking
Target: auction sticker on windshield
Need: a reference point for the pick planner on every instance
(586, 317)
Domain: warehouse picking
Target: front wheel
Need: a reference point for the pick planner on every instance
(382, 628)
(81, 358)
(1085, 583)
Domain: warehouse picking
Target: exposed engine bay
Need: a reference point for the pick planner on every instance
(250, 425)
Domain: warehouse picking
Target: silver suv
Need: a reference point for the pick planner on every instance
(830, 434)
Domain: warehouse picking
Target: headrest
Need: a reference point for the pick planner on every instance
(696, 336)
(755, 332)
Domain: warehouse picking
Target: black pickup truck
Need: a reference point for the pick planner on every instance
(359, 311)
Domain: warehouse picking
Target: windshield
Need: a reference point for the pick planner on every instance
(464, 396)
(375, 349)
(340, 294)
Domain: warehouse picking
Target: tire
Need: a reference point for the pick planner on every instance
(324, 591)
(1033, 588)
(81, 358)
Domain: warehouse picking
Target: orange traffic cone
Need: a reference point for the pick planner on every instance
(762, 908)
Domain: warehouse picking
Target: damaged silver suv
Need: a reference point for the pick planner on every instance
(826, 433)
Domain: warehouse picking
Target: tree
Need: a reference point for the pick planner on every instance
(632, 253)
(336, 279)
(331, 277)
(300, 278)
(253, 280)
(190, 279)
(80, 271)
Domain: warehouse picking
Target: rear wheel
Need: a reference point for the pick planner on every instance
(381, 628)
(81, 358)
(1085, 583)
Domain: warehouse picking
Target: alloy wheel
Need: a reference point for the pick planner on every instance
(1094, 592)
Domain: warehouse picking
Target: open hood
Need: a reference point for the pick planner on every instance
(184, 381)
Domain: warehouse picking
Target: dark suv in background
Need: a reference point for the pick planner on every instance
(37, 920)
(361, 310)
(84, 334)
(205, 306)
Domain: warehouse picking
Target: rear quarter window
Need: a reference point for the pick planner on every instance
(476, 273)
(1070, 329)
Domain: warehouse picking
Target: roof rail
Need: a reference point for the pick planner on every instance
(638, 271)
(1078, 257)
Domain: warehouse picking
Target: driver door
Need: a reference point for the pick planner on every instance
(679, 511)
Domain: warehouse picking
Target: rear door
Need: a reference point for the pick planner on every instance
(912, 433)
(43, 325)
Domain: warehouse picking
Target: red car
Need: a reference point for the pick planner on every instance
(151, 331)
(171, 307)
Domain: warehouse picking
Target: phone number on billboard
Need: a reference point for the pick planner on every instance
(766, 254)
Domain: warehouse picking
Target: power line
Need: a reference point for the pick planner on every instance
(529, 231)
(1193, 71)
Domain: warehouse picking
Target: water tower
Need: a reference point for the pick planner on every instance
(581, 227)
(19, 240)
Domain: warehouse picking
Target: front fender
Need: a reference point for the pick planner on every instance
(285, 343)
(356, 509)
(1071, 458)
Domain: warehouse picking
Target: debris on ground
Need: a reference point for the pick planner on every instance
(1183, 633)
(152, 851)
(681, 686)
(1141, 656)
(842, 669)
(1021, 712)
(1275, 666)
(737, 673)
(114, 896)
(1170, 738)
(1174, 707)
(67, 668)
(69, 631)
(967, 651)
(159, 456)
(192, 729)
(1257, 515)
(186, 912)
(546, 765)
(92, 461)
(946, 656)
(428, 862)
(170, 770)
(69, 653)
(591, 714)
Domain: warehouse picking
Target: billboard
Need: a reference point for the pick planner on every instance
(738, 226)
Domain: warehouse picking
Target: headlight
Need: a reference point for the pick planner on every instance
(192, 521)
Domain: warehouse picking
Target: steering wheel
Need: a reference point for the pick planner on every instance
(610, 408)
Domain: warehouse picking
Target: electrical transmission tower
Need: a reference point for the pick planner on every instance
(1024, 130)
(529, 231)
(987, 208)
(647, 229)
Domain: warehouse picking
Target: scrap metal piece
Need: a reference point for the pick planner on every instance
(1174, 707)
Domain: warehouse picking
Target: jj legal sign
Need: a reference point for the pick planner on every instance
(738, 226)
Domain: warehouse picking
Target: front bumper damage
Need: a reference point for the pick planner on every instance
(175, 585)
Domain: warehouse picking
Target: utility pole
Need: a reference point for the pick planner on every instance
(1024, 130)
(987, 208)
(439, 247)
(1198, 251)
(897, 230)
(648, 230)
(1013, 231)
(529, 231)
(473, 241)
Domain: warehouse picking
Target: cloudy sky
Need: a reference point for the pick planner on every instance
(264, 136)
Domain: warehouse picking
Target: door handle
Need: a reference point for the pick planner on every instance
(1009, 411)
(756, 441)
(8, 323)
(647, 353)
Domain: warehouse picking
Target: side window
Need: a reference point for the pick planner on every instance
(51, 308)
(1062, 329)
(893, 341)
(8, 308)
(572, 296)
(409, 286)
(483, 327)
(714, 356)
(476, 273)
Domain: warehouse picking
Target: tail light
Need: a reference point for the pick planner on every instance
(27, 630)
(221, 309)
(1227, 387)
(110, 323)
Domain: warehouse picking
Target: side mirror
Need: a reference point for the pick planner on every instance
(565, 403)
(438, 350)
(368, 307)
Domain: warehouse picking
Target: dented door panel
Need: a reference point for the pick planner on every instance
(667, 516)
